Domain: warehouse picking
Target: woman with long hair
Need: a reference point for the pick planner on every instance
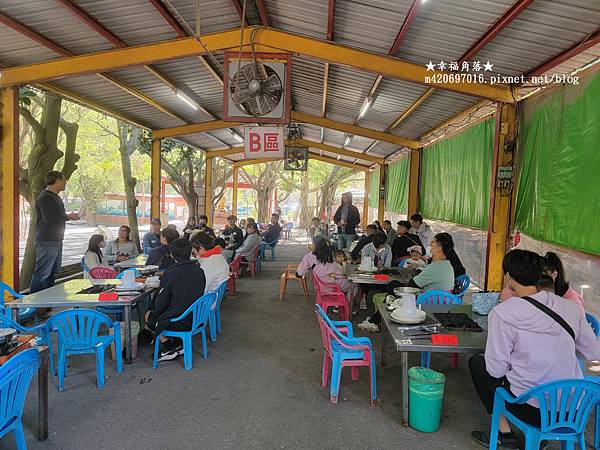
(452, 256)
(553, 267)
(251, 242)
(121, 248)
(93, 256)
(347, 219)
(320, 262)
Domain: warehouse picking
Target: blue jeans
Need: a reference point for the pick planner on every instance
(47, 264)
(344, 241)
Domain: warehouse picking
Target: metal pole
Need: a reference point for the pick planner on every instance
(208, 194)
(234, 196)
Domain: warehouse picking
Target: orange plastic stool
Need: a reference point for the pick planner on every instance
(290, 274)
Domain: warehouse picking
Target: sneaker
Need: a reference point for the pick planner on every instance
(505, 440)
(364, 324)
(373, 328)
(167, 351)
(179, 349)
(363, 303)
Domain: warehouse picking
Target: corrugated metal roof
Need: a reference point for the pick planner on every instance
(134, 21)
(191, 75)
(205, 141)
(443, 29)
(15, 49)
(578, 61)
(147, 83)
(543, 30)
(392, 98)
(307, 17)
(371, 25)
(439, 107)
(216, 15)
(307, 85)
(347, 90)
(57, 24)
(101, 91)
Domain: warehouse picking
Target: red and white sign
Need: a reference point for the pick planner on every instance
(263, 142)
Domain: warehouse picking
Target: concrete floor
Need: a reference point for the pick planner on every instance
(259, 388)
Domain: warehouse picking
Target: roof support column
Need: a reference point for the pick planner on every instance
(365, 214)
(155, 179)
(381, 193)
(414, 181)
(499, 220)
(9, 185)
(234, 194)
(208, 194)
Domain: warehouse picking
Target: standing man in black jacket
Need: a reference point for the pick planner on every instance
(49, 231)
(180, 286)
(347, 219)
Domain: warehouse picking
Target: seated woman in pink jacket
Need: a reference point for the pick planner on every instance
(526, 346)
(321, 263)
(552, 266)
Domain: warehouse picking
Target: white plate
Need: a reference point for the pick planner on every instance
(134, 287)
(417, 317)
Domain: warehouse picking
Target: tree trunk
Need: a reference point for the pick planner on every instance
(128, 140)
(262, 203)
(326, 194)
(41, 160)
(191, 200)
(304, 211)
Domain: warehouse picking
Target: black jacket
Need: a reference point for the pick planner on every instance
(160, 257)
(50, 217)
(403, 242)
(272, 232)
(180, 286)
(352, 220)
(238, 237)
(365, 240)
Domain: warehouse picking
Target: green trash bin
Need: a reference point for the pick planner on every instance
(425, 397)
(379, 298)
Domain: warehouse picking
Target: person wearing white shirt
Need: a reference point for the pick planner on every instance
(212, 262)
(421, 229)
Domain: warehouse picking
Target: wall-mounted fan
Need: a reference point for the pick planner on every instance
(296, 158)
(260, 90)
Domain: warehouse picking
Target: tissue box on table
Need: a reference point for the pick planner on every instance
(483, 302)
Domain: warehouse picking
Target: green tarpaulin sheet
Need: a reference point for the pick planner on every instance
(456, 176)
(559, 157)
(374, 189)
(396, 189)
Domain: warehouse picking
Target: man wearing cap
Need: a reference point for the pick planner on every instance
(152, 238)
